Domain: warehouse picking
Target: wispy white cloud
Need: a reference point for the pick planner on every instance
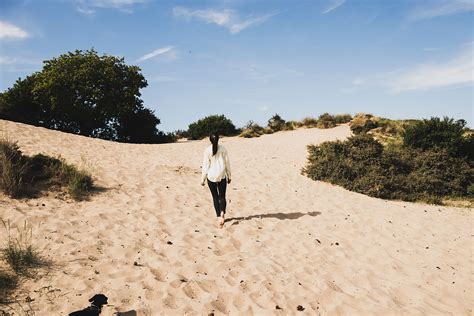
(168, 50)
(441, 8)
(88, 7)
(455, 72)
(19, 64)
(227, 18)
(358, 81)
(253, 104)
(10, 31)
(432, 49)
(7, 60)
(333, 5)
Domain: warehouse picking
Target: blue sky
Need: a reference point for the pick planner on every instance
(252, 59)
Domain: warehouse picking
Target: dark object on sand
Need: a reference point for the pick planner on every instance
(300, 308)
(96, 306)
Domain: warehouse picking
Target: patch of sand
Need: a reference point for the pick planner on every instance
(288, 240)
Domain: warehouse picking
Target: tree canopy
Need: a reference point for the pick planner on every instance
(84, 93)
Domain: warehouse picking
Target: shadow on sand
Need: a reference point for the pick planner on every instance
(280, 216)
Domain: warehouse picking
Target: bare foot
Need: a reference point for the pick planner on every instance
(221, 221)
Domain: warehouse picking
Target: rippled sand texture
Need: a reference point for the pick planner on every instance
(149, 240)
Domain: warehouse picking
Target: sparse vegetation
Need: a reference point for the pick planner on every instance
(19, 174)
(22, 260)
(8, 283)
(364, 165)
(310, 122)
(252, 129)
(276, 123)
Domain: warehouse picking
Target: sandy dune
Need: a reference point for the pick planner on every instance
(289, 240)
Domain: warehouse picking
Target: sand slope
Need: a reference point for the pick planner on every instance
(290, 241)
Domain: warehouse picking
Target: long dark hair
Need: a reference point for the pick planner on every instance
(214, 138)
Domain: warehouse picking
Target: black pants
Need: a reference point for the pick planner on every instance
(218, 195)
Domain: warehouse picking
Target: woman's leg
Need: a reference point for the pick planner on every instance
(215, 196)
(221, 189)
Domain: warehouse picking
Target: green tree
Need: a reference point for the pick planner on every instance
(212, 124)
(84, 93)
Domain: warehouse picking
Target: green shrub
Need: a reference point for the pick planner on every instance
(251, 130)
(363, 165)
(181, 134)
(342, 118)
(444, 134)
(437, 173)
(289, 126)
(326, 120)
(276, 123)
(78, 182)
(310, 122)
(13, 167)
(362, 123)
(212, 124)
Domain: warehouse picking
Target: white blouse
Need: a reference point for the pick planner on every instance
(215, 167)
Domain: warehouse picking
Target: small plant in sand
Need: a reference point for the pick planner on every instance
(19, 253)
(19, 260)
(8, 284)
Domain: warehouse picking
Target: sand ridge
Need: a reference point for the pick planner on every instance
(149, 242)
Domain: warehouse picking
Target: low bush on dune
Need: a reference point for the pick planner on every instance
(326, 120)
(252, 129)
(362, 164)
(212, 124)
(20, 174)
(13, 168)
(342, 118)
(276, 123)
(362, 123)
(309, 122)
(387, 131)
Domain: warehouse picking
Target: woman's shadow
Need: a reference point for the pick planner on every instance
(280, 216)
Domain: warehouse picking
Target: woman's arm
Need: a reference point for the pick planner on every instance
(227, 166)
(205, 166)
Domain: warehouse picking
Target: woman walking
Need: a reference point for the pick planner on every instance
(216, 169)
